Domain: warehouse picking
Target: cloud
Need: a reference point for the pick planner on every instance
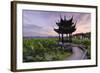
(35, 30)
(42, 23)
(31, 26)
(30, 33)
(83, 23)
(84, 19)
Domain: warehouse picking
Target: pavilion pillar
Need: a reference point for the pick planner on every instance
(62, 38)
(59, 37)
(70, 37)
(66, 37)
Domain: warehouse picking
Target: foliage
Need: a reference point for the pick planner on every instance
(85, 42)
(43, 49)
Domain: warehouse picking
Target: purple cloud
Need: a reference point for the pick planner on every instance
(42, 23)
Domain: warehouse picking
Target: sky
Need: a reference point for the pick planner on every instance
(42, 23)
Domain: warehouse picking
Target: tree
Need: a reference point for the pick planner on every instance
(65, 27)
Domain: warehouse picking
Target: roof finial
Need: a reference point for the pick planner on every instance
(61, 18)
(64, 17)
